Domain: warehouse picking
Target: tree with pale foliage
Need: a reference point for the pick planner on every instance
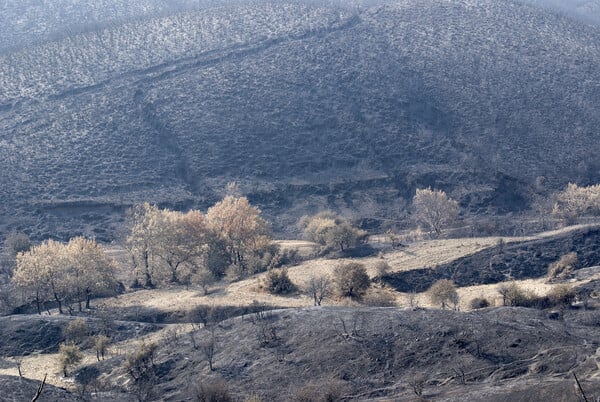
(332, 231)
(182, 243)
(142, 241)
(90, 271)
(351, 280)
(245, 233)
(577, 201)
(40, 273)
(444, 293)
(65, 273)
(69, 355)
(434, 209)
(319, 287)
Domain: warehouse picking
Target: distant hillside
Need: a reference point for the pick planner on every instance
(586, 10)
(305, 106)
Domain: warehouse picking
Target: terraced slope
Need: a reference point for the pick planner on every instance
(306, 106)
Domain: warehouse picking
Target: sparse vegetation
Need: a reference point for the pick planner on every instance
(212, 391)
(319, 287)
(155, 106)
(563, 268)
(69, 355)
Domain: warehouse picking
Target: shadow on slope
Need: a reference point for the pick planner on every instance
(524, 260)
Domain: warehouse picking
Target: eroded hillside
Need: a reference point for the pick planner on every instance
(306, 106)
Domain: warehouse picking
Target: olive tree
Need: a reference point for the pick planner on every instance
(244, 232)
(331, 231)
(65, 273)
(576, 201)
(434, 209)
(141, 243)
(444, 293)
(352, 279)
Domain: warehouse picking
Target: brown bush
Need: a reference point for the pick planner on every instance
(319, 391)
(379, 299)
(278, 282)
(216, 391)
(351, 280)
(479, 302)
(563, 268)
(443, 293)
(562, 295)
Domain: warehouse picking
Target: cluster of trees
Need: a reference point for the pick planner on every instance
(65, 273)
(577, 201)
(331, 231)
(195, 248)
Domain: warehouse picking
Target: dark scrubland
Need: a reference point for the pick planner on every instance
(307, 106)
(505, 262)
(370, 354)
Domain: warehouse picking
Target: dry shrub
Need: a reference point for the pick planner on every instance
(68, 355)
(278, 282)
(319, 287)
(479, 302)
(381, 269)
(563, 268)
(562, 295)
(77, 331)
(320, 391)
(331, 231)
(444, 293)
(512, 294)
(577, 201)
(215, 391)
(351, 280)
(379, 299)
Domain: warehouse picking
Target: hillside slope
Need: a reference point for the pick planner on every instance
(377, 353)
(306, 106)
